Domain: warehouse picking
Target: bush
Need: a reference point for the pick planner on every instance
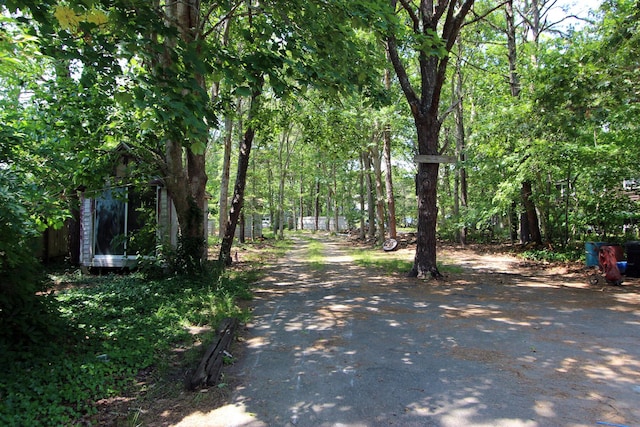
(565, 255)
(25, 316)
(119, 325)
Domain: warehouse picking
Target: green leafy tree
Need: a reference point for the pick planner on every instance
(287, 49)
(39, 158)
(588, 96)
(427, 32)
(158, 83)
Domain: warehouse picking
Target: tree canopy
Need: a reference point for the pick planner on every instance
(540, 115)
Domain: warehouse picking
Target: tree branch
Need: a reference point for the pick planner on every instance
(221, 21)
(485, 14)
(414, 18)
(440, 9)
(450, 32)
(448, 111)
(403, 78)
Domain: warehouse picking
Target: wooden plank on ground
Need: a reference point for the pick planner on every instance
(210, 367)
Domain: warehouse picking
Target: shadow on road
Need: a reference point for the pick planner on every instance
(342, 346)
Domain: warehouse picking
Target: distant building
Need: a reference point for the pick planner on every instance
(309, 223)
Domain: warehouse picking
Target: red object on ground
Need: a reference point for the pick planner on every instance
(608, 262)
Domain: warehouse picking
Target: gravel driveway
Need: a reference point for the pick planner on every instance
(340, 346)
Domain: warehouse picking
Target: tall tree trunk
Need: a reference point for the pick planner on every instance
(531, 230)
(512, 54)
(336, 210)
(294, 213)
(223, 204)
(391, 203)
(445, 183)
(456, 201)
(531, 213)
(546, 224)
(426, 186)
(568, 192)
(327, 224)
(377, 174)
(316, 205)
(525, 234)
(461, 171)
(513, 222)
(186, 186)
(281, 181)
(301, 203)
(225, 173)
(273, 212)
(361, 177)
(185, 169)
(241, 177)
(371, 201)
(284, 159)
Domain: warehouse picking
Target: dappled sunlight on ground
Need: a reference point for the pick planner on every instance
(496, 344)
(237, 412)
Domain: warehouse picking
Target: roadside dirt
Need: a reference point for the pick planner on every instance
(499, 342)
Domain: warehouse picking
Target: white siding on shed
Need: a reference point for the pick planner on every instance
(167, 232)
(309, 223)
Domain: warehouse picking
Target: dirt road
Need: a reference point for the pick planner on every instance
(338, 346)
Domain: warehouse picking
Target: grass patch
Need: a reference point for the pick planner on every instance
(392, 262)
(388, 262)
(315, 254)
(117, 327)
(315, 250)
(450, 268)
(277, 249)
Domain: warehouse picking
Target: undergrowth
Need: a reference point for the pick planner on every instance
(115, 326)
(569, 254)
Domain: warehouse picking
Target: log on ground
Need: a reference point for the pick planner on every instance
(210, 367)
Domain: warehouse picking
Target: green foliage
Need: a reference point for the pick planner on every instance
(187, 259)
(46, 151)
(569, 132)
(24, 318)
(568, 254)
(583, 92)
(315, 253)
(116, 326)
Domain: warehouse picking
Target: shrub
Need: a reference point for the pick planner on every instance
(566, 255)
(118, 326)
(25, 316)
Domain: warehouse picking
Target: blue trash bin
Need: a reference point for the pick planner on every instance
(622, 266)
(592, 250)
